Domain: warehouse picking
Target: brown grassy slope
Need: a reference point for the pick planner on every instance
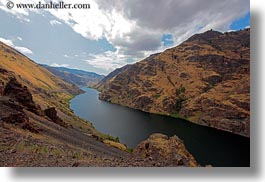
(46, 88)
(205, 80)
(27, 136)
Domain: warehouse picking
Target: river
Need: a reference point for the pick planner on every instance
(207, 145)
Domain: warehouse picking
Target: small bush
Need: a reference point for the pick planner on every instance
(129, 150)
(180, 90)
(109, 137)
(77, 155)
(180, 97)
(179, 102)
(156, 96)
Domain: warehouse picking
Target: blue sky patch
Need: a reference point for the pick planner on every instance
(241, 23)
(167, 40)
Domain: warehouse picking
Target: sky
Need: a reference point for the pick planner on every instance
(113, 33)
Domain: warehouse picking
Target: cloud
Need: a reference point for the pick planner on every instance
(59, 65)
(19, 38)
(7, 42)
(136, 28)
(22, 14)
(72, 56)
(10, 43)
(55, 22)
(107, 61)
(23, 50)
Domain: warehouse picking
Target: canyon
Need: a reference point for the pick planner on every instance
(205, 80)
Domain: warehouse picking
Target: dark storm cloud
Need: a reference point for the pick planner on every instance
(169, 14)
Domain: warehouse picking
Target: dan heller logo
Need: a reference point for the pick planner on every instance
(50, 5)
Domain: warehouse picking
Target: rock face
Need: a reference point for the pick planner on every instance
(22, 121)
(2, 87)
(165, 151)
(204, 80)
(52, 114)
(22, 95)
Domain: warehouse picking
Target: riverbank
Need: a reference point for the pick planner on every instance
(208, 145)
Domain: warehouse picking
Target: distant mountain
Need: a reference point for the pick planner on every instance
(205, 80)
(74, 76)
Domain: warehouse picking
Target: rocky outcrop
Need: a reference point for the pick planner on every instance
(16, 118)
(22, 121)
(21, 94)
(115, 144)
(52, 114)
(205, 80)
(2, 87)
(165, 151)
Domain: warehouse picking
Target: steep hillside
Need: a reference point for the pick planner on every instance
(107, 79)
(74, 76)
(37, 127)
(204, 80)
(46, 88)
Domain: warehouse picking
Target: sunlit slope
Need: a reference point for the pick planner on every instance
(205, 80)
(45, 87)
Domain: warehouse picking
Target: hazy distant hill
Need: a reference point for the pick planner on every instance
(74, 76)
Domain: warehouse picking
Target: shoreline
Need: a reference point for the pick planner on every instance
(170, 116)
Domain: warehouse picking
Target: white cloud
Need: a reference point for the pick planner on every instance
(19, 38)
(7, 42)
(135, 28)
(23, 50)
(20, 13)
(10, 43)
(108, 60)
(59, 65)
(55, 22)
(70, 56)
